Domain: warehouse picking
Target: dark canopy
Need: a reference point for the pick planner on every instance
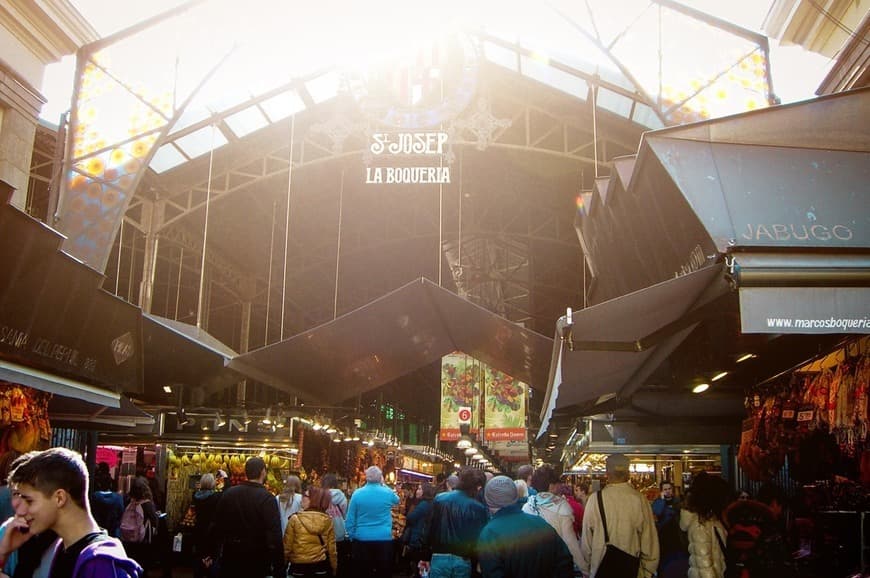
(401, 332)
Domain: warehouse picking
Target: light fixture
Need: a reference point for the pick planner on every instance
(554, 435)
(745, 357)
(316, 426)
(719, 376)
(219, 421)
(267, 420)
(464, 443)
(701, 388)
(167, 388)
(182, 417)
(331, 430)
(477, 457)
(470, 451)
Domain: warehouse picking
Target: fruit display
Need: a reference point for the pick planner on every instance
(182, 465)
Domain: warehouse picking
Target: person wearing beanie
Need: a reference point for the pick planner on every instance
(514, 544)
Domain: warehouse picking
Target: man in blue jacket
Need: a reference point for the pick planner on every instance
(50, 492)
(515, 544)
(369, 525)
(457, 519)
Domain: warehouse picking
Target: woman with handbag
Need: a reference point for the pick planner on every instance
(309, 541)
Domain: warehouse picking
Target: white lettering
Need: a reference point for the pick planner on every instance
(409, 143)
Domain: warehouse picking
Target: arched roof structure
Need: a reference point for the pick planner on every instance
(238, 144)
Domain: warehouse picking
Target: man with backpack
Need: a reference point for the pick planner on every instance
(247, 528)
(50, 492)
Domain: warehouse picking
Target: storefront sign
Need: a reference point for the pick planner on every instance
(805, 310)
(209, 423)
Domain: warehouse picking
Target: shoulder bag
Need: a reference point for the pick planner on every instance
(616, 563)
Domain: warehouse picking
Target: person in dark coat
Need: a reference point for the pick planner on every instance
(107, 506)
(457, 518)
(514, 544)
(247, 528)
(417, 524)
(205, 502)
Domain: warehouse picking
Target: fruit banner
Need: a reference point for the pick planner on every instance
(460, 387)
(505, 406)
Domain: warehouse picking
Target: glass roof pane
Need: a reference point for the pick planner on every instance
(168, 58)
(548, 33)
(323, 87)
(609, 100)
(554, 77)
(166, 157)
(282, 105)
(201, 141)
(646, 116)
(613, 17)
(246, 121)
(502, 56)
(189, 116)
(688, 71)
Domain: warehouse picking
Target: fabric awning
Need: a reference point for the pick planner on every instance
(77, 413)
(45, 381)
(397, 334)
(179, 353)
(59, 331)
(612, 347)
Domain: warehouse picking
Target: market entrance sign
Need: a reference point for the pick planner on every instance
(426, 147)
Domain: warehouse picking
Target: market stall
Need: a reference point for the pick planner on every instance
(806, 432)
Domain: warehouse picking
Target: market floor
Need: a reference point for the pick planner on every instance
(183, 572)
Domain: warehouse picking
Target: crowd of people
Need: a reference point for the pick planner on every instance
(471, 524)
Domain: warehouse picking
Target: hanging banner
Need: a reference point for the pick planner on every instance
(512, 452)
(505, 407)
(460, 390)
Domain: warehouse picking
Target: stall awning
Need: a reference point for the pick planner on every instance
(57, 326)
(56, 384)
(71, 412)
(179, 353)
(611, 348)
(397, 334)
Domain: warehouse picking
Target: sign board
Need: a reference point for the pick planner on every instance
(464, 415)
(805, 310)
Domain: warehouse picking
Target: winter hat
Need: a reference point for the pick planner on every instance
(499, 492)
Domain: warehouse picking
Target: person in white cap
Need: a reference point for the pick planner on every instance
(514, 544)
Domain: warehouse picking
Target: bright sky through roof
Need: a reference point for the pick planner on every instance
(796, 73)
